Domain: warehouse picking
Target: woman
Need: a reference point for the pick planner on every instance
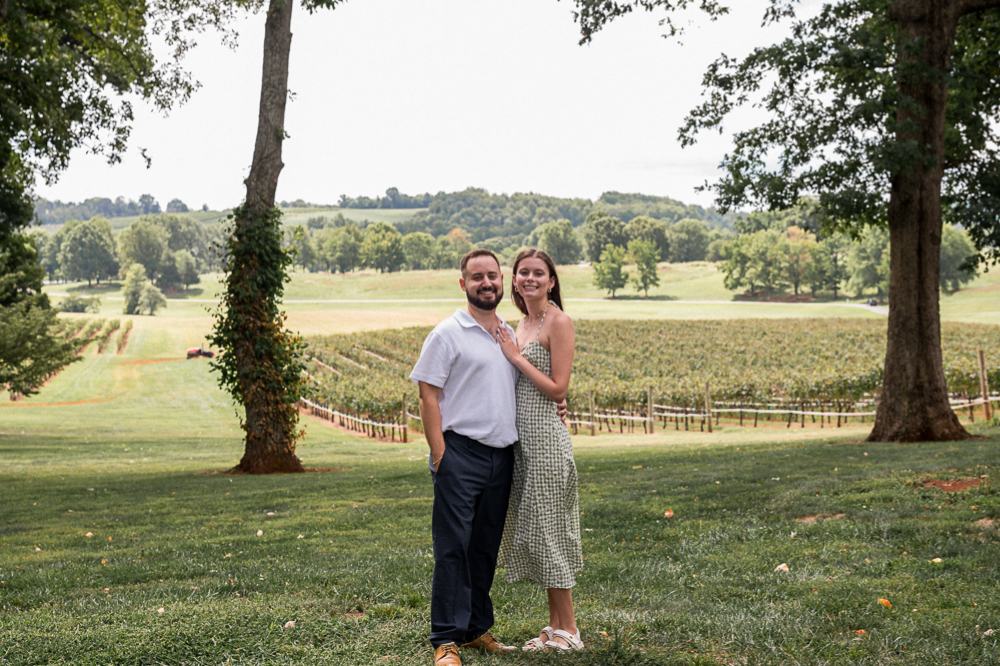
(541, 540)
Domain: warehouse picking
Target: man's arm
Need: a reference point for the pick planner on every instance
(430, 418)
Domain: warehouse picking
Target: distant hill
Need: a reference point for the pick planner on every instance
(484, 216)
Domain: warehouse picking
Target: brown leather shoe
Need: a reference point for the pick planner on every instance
(447, 655)
(489, 644)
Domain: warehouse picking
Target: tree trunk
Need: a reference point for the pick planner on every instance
(270, 422)
(914, 404)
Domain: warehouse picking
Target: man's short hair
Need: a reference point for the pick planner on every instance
(478, 252)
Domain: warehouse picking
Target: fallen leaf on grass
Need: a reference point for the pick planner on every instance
(270, 513)
(37, 549)
(301, 536)
(781, 567)
(290, 624)
(159, 610)
(603, 633)
(227, 555)
(988, 632)
(636, 466)
(103, 561)
(260, 532)
(936, 560)
(89, 534)
(668, 514)
(861, 632)
(885, 602)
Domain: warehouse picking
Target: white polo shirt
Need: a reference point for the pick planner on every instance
(475, 378)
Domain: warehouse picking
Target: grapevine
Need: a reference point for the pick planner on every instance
(747, 362)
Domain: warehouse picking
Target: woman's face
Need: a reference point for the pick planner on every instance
(532, 278)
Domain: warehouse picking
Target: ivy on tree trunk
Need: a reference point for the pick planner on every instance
(261, 363)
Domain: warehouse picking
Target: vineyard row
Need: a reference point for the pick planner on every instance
(755, 368)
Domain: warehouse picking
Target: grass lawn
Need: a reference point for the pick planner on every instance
(126, 448)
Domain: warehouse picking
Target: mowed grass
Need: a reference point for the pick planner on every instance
(129, 448)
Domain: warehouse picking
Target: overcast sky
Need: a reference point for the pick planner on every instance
(440, 95)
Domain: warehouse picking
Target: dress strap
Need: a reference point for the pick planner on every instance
(542, 321)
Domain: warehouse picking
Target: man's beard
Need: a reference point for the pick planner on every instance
(483, 304)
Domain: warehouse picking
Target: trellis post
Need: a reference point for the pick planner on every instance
(593, 415)
(984, 386)
(649, 413)
(708, 405)
(406, 421)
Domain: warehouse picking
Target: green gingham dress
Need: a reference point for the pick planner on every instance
(541, 538)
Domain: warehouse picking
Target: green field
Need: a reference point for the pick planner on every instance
(128, 448)
(323, 303)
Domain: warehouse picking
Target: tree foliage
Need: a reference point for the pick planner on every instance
(559, 240)
(143, 243)
(65, 72)
(608, 273)
(643, 254)
(30, 350)
(382, 248)
(956, 250)
(652, 231)
(151, 299)
(135, 280)
(601, 230)
(885, 111)
(689, 241)
(88, 251)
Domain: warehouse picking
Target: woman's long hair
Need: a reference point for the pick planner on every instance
(554, 295)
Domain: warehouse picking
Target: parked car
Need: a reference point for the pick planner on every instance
(195, 352)
(872, 302)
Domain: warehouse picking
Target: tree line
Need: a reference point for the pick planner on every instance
(58, 212)
(173, 250)
(503, 220)
(393, 199)
(772, 252)
(338, 245)
(777, 251)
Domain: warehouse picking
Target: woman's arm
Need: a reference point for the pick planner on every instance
(562, 343)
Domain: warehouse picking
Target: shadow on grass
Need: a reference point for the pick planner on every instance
(102, 289)
(640, 297)
(181, 294)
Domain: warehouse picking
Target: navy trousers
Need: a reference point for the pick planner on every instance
(471, 490)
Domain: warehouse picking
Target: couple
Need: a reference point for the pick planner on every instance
(488, 402)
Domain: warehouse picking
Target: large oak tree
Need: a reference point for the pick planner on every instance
(887, 111)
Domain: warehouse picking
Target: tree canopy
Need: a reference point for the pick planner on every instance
(886, 112)
(69, 73)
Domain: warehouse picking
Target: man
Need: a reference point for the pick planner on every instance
(467, 409)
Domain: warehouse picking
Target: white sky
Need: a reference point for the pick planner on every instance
(440, 95)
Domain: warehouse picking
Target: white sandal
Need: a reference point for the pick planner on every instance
(573, 640)
(537, 643)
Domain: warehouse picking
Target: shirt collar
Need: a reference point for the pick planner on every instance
(467, 321)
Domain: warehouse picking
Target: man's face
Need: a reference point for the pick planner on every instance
(483, 283)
